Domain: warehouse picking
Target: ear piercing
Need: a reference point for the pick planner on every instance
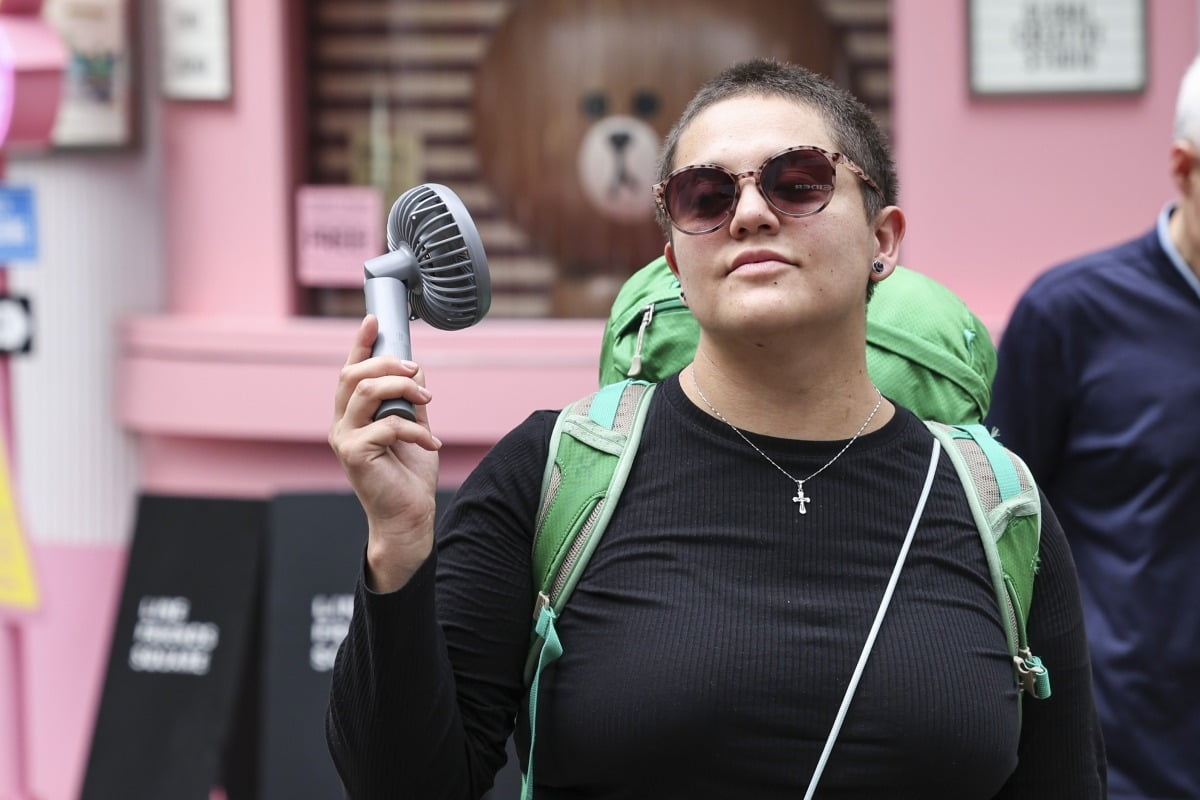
(878, 266)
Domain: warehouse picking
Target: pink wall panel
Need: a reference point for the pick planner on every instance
(998, 190)
(241, 408)
(65, 652)
(230, 174)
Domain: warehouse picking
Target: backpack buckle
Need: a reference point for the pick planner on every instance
(540, 605)
(1035, 678)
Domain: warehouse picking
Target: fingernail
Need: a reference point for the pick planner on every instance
(409, 364)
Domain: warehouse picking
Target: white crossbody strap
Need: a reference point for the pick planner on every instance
(879, 615)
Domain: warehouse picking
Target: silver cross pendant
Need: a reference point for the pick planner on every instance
(800, 498)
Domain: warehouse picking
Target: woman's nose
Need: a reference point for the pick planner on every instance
(751, 210)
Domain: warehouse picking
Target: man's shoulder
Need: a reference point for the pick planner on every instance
(1132, 250)
(1093, 271)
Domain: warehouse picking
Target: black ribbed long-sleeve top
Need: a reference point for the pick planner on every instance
(710, 640)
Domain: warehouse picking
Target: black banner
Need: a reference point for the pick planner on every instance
(179, 650)
(314, 553)
(314, 549)
(230, 618)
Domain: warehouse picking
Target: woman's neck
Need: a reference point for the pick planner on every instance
(814, 395)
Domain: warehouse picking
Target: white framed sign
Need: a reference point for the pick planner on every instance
(1056, 46)
(195, 49)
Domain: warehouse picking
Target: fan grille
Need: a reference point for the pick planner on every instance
(454, 290)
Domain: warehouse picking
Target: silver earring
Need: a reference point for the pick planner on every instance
(878, 266)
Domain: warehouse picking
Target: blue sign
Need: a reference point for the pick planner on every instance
(18, 225)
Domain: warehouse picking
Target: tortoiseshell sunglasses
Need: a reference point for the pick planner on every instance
(797, 182)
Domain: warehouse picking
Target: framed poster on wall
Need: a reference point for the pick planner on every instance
(97, 107)
(1056, 46)
(195, 49)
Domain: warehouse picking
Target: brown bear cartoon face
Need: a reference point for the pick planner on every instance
(618, 156)
(573, 99)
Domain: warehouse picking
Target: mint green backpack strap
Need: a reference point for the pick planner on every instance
(1005, 503)
(592, 449)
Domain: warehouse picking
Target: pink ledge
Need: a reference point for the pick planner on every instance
(274, 379)
(242, 406)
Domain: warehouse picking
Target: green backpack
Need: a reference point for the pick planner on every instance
(925, 349)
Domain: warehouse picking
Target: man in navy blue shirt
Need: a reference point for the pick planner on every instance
(1098, 388)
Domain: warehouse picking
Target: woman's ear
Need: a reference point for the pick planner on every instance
(669, 254)
(889, 232)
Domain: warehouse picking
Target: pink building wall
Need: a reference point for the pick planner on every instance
(229, 394)
(998, 190)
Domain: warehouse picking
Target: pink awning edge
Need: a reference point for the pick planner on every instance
(32, 60)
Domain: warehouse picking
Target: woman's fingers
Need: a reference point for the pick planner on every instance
(372, 389)
(364, 340)
(365, 377)
(367, 381)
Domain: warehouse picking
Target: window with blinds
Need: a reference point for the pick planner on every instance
(545, 117)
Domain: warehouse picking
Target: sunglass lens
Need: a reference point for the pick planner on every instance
(699, 199)
(798, 182)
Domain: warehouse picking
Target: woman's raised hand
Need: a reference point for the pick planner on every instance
(392, 463)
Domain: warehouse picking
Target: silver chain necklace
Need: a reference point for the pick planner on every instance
(800, 499)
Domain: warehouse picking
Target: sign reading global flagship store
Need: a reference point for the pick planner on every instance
(1057, 46)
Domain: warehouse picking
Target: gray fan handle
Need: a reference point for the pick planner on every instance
(387, 299)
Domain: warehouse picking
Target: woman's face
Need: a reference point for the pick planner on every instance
(763, 272)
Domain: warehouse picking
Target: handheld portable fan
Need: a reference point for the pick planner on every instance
(435, 270)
